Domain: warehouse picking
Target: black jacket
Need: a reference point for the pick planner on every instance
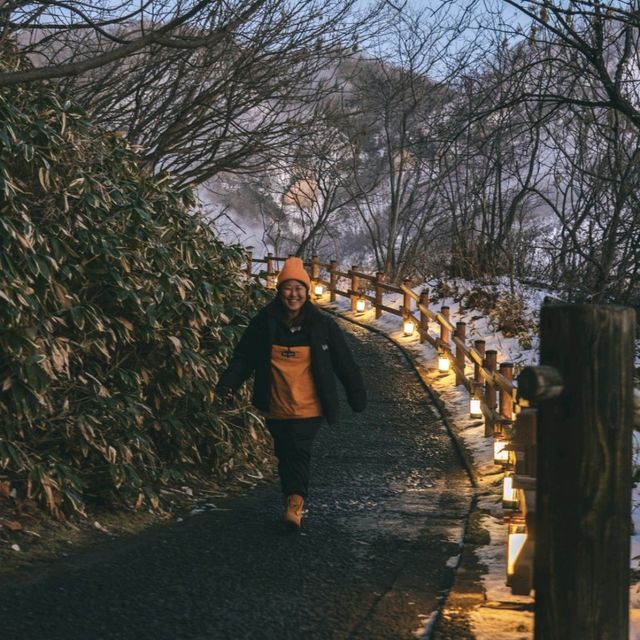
(330, 355)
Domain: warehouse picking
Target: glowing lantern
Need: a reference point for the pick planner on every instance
(520, 551)
(515, 542)
(408, 327)
(443, 363)
(475, 408)
(318, 290)
(501, 454)
(360, 305)
(509, 494)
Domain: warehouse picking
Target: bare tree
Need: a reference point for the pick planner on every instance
(593, 195)
(491, 168)
(397, 103)
(201, 87)
(107, 32)
(595, 42)
(321, 190)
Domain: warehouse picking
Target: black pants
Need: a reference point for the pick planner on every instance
(292, 441)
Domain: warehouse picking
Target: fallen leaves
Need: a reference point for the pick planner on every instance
(12, 525)
(5, 489)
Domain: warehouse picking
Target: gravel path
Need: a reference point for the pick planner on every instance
(387, 506)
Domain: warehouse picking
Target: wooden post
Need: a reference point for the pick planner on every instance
(249, 262)
(424, 318)
(355, 285)
(379, 281)
(461, 332)
(406, 298)
(491, 364)
(333, 280)
(480, 346)
(444, 331)
(315, 269)
(583, 512)
(271, 280)
(506, 399)
(525, 439)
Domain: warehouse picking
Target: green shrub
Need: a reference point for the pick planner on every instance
(118, 310)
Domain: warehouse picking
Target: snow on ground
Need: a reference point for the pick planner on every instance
(426, 625)
(502, 617)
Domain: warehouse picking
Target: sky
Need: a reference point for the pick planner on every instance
(484, 21)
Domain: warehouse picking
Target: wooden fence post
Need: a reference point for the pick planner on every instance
(315, 270)
(355, 285)
(583, 511)
(491, 364)
(424, 318)
(444, 331)
(379, 281)
(271, 280)
(406, 298)
(506, 399)
(525, 437)
(461, 333)
(479, 346)
(333, 280)
(249, 262)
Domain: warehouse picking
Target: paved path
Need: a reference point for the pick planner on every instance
(388, 501)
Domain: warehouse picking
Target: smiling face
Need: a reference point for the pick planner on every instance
(293, 295)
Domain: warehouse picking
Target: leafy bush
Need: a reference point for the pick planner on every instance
(509, 316)
(119, 308)
(480, 298)
(506, 312)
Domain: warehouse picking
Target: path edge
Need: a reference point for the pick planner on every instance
(459, 446)
(463, 455)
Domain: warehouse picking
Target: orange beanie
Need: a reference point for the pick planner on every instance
(293, 269)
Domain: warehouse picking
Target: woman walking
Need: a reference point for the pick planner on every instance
(294, 351)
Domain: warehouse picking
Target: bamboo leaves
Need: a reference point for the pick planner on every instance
(118, 309)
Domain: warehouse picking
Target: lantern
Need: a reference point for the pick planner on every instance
(272, 281)
(443, 363)
(501, 453)
(516, 539)
(318, 290)
(360, 305)
(520, 552)
(408, 326)
(509, 494)
(475, 407)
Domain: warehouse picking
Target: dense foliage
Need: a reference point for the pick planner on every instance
(118, 310)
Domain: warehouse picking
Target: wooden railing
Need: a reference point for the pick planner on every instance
(511, 419)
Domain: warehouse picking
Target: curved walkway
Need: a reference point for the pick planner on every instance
(388, 502)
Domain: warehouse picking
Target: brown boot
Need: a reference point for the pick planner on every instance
(293, 512)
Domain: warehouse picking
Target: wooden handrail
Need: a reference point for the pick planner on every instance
(364, 276)
(396, 312)
(430, 314)
(502, 383)
(444, 322)
(410, 293)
